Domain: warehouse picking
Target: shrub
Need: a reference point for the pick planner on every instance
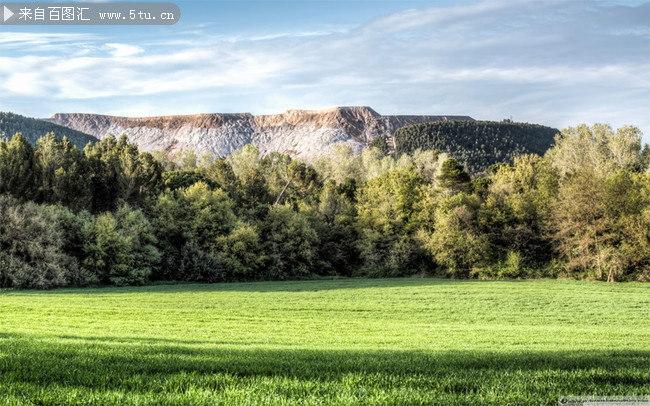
(119, 249)
(241, 253)
(291, 243)
(31, 247)
(198, 265)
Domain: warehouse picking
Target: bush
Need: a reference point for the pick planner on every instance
(31, 247)
(198, 265)
(241, 253)
(134, 226)
(456, 242)
(119, 249)
(390, 256)
(107, 257)
(291, 244)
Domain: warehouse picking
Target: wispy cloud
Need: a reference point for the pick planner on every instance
(124, 50)
(553, 62)
(30, 38)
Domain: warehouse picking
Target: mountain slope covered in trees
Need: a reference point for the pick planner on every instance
(33, 129)
(476, 144)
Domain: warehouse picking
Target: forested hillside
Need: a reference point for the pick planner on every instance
(112, 215)
(476, 144)
(33, 129)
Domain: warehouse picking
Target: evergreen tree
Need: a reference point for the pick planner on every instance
(62, 173)
(453, 177)
(18, 174)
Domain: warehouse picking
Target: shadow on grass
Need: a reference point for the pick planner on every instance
(268, 286)
(156, 365)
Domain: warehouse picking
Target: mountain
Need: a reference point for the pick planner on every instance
(33, 129)
(302, 133)
(477, 144)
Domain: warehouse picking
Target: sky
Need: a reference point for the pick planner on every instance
(553, 62)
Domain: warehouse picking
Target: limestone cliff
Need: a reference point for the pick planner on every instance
(304, 133)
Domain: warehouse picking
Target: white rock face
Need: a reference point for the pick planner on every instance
(304, 133)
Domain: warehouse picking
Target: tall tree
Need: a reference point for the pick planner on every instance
(453, 177)
(456, 242)
(17, 169)
(62, 173)
(597, 197)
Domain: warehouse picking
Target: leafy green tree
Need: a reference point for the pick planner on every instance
(340, 164)
(72, 226)
(242, 162)
(456, 242)
(241, 253)
(107, 252)
(222, 174)
(374, 164)
(598, 196)
(580, 223)
(254, 192)
(515, 209)
(208, 214)
(388, 203)
(140, 175)
(598, 149)
(196, 215)
(205, 160)
(145, 256)
(336, 203)
(428, 164)
(187, 160)
(104, 172)
(388, 218)
(389, 255)
(290, 243)
(334, 220)
(600, 226)
(304, 183)
(633, 253)
(274, 168)
(120, 174)
(183, 179)
(119, 249)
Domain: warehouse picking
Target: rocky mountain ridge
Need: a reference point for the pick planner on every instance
(304, 133)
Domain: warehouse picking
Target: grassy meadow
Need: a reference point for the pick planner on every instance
(383, 341)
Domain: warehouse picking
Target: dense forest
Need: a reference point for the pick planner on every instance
(112, 215)
(476, 144)
(33, 129)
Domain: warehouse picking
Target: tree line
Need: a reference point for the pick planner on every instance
(112, 215)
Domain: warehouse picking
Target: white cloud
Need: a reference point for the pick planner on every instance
(553, 62)
(124, 50)
(32, 38)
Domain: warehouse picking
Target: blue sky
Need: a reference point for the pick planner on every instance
(554, 62)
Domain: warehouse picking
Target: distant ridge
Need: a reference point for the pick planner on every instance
(304, 133)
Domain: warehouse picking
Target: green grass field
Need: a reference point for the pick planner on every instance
(397, 341)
